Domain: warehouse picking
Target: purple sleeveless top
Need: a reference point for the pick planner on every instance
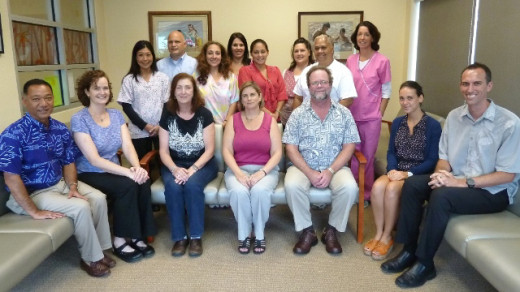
(252, 147)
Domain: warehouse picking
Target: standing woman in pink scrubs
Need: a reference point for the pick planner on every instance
(372, 77)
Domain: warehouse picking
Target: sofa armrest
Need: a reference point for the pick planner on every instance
(361, 183)
(147, 159)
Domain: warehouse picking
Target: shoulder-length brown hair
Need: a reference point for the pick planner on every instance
(196, 102)
(86, 80)
(203, 66)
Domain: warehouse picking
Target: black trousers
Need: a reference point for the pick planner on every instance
(441, 203)
(132, 209)
(145, 145)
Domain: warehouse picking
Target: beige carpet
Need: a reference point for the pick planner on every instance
(222, 268)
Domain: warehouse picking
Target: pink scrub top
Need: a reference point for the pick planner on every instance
(369, 82)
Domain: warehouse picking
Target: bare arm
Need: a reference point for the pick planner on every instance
(384, 104)
(164, 150)
(71, 179)
(297, 101)
(442, 165)
(347, 101)
(443, 177)
(208, 135)
(228, 153)
(139, 175)
(297, 159)
(20, 194)
(89, 150)
(447, 179)
(276, 147)
(232, 109)
(344, 156)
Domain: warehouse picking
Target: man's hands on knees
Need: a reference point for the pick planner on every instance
(320, 179)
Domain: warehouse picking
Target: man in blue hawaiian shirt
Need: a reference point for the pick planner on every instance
(37, 161)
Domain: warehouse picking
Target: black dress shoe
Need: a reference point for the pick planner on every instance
(179, 248)
(330, 240)
(416, 276)
(306, 240)
(147, 251)
(195, 247)
(129, 257)
(399, 263)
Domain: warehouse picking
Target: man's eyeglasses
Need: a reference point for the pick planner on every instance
(321, 82)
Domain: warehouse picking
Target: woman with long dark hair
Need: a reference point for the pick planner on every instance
(142, 95)
(238, 52)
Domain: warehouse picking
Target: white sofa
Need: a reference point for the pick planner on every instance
(217, 194)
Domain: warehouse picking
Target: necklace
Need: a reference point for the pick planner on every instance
(251, 119)
(100, 117)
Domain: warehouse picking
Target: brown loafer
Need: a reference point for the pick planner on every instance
(95, 269)
(330, 240)
(195, 247)
(108, 261)
(306, 240)
(179, 248)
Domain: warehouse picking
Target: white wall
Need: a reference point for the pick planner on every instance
(120, 23)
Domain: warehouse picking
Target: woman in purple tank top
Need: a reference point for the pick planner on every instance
(252, 149)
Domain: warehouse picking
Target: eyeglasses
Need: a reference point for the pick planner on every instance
(321, 82)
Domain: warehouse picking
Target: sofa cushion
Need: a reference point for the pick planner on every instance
(57, 230)
(20, 253)
(515, 207)
(462, 229)
(497, 260)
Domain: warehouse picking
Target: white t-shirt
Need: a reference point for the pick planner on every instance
(342, 82)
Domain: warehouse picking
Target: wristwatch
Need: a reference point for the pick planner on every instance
(470, 182)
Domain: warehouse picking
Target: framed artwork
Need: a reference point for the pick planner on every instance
(195, 25)
(1, 37)
(339, 25)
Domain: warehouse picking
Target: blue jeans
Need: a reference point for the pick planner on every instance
(187, 199)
